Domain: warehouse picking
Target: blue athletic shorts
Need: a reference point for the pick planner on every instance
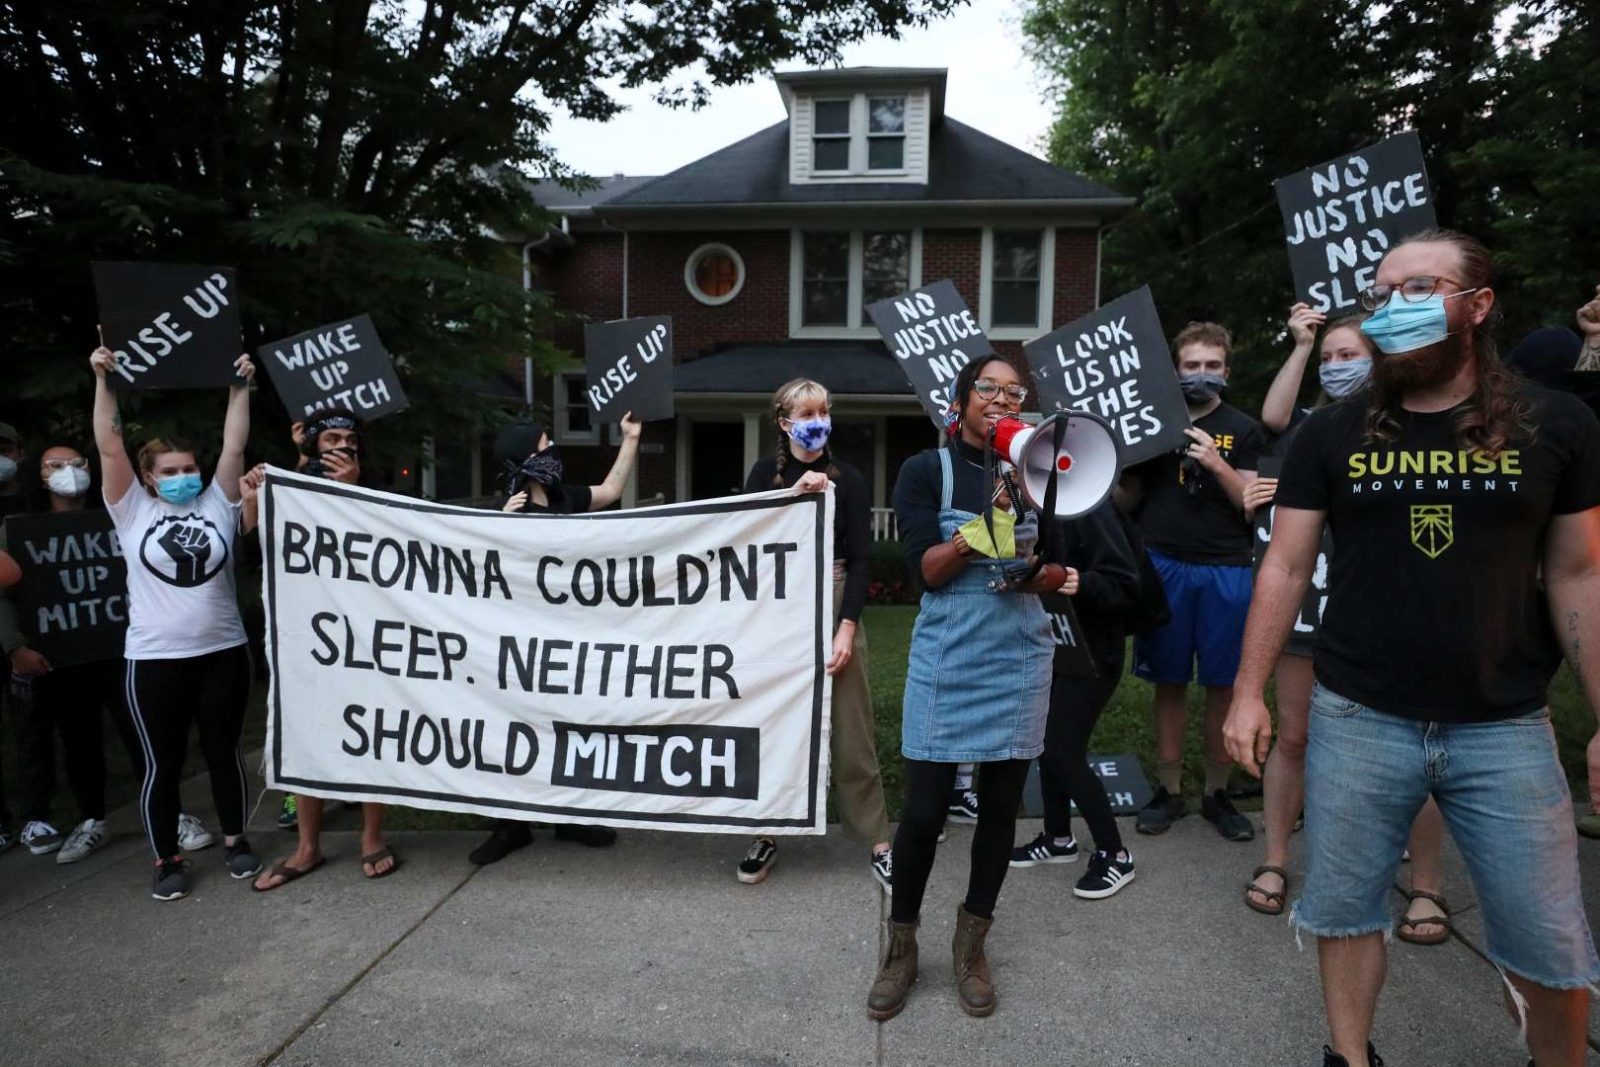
(1209, 603)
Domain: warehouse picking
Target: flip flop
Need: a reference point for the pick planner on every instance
(1275, 901)
(287, 873)
(375, 858)
(1407, 924)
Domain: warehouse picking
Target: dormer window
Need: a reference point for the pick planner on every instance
(860, 134)
(830, 143)
(886, 133)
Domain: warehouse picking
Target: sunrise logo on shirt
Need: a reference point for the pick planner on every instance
(1433, 528)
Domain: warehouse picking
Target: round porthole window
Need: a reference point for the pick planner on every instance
(714, 274)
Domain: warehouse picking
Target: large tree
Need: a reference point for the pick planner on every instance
(345, 155)
(1194, 107)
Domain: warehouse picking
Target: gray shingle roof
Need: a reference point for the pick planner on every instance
(846, 367)
(965, 164)
(551, 195)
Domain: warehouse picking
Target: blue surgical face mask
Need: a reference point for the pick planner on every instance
(179, 488)
(811, 434)
(1402, 326)
(1341, 379)
(8, 469)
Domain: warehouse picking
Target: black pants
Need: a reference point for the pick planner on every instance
(1064, 774)
(71, 702)
(166, 696)
(927, 799)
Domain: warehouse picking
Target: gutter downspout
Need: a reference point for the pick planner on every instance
(527, 287)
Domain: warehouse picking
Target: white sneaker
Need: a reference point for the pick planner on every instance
(89, 835)
(192, 834)
(40, 837)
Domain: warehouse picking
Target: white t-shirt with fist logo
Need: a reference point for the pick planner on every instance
(181, 597)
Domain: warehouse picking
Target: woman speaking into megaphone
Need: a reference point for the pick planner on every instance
(978, 681)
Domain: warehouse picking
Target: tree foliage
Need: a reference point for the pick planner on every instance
(345, 155)
(1194, 107)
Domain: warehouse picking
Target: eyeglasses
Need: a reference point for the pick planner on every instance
(1412, 291)
(78, 463)
(988, 388)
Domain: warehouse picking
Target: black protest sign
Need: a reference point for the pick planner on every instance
(1122, 776)
(1114, 362)
(1072, 657)
(171, 325)
(629, 364)
(932, 334)
(1309, 618)
(1340, 217)
(342, 366)
(74, 590)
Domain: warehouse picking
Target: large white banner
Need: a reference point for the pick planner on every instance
(662, 667)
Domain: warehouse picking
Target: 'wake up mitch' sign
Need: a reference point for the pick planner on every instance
(342, 366)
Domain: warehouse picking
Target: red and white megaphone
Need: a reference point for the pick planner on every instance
(1084, 469)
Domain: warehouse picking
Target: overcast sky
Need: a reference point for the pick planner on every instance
(991, 86)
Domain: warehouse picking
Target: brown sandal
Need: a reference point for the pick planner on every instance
(375, 858)
(287, 874)
(1407, 924)
(1275, 901)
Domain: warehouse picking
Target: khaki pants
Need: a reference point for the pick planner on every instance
(857, 781)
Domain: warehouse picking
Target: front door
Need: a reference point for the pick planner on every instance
(716, 459)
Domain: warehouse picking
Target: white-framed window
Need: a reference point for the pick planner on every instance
(835, 274)
(575, 423)
(1016, 286)
(860, 134)
(714, 274)
(886, 133)
(830, 135)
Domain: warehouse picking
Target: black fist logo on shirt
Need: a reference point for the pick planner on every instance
(184, 550)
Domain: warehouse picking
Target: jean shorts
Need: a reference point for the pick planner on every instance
(1505, 800)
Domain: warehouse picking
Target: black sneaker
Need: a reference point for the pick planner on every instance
(1043, 849)
(1158, 816)
(503, 841)
(757, 863)
(1221, 813)
(289, 814)
(963, 805)
(883, 869)
(1331, 1058)
(593, 836)
(1105, 877)
(171, 881)
(241, 859)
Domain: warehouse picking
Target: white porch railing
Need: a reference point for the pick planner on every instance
(884, 527)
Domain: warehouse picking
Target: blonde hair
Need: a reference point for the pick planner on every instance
(1204, 333)
(790, 395)
(154, 447)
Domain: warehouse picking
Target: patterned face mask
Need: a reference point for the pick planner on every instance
(811, 434)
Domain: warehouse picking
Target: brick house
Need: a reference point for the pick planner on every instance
(765, 252)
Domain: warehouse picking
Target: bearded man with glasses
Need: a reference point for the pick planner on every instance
(1464, 505)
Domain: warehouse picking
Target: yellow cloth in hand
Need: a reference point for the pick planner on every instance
(976, 531)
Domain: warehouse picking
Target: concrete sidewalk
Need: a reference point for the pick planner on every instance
(652, 953)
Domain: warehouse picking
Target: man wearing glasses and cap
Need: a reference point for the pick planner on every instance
(1190, 511)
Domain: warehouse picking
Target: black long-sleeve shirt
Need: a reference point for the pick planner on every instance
(852, 519)
(1108, 581)
(916, 496)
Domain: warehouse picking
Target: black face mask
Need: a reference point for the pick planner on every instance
(315, 466)
(541, 468)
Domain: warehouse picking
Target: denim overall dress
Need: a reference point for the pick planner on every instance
(978, 680)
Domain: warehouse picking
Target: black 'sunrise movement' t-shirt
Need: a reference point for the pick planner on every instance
(1435, 611)
(1202, 526)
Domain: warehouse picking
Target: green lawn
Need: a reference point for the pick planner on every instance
(1125, 726)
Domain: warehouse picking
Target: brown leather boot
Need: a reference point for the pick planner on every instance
(896, 973)
(973, 987)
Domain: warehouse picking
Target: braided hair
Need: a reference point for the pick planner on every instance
(789, 395)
